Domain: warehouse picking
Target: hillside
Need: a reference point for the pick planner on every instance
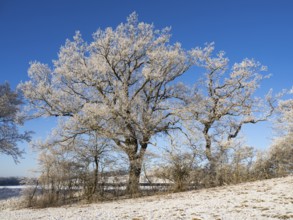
(268, 199)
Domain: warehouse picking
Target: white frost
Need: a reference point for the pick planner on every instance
(269, 199)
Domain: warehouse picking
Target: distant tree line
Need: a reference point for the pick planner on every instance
(10, 181)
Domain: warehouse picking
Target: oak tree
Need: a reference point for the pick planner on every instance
(121, 86)
(226, 101)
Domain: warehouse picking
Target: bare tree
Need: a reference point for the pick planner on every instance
(227, 101)
(284, 120)
(93, 151)
(280, 159)
(177, 161)
(9, 135)
(71, 162)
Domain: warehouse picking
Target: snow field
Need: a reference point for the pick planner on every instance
(268, 199)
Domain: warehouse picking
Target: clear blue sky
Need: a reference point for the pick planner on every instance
(35, 30)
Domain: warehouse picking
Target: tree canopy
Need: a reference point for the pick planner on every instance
(9, 134)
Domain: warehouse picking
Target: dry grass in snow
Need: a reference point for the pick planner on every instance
(268, 199)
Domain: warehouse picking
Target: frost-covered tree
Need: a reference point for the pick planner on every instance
(121, 85)
(226, 100)
(281, 151)
(284, 122)
(66, 164)
(178, 162)
(10, 102)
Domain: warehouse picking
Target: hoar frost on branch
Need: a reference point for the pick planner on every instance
(278, 160)
(122, 87)
(284, 122)
(9, 119)
(70, 162)
(226, 100)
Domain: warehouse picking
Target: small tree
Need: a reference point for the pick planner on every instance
(9, 135)
(284, 122)
(94, 151)
(280, 160)
(71, 162)
(179, 161)
(280, 157)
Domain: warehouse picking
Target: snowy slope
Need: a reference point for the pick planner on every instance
(269, 199)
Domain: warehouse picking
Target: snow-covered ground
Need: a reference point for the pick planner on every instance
(269, 199)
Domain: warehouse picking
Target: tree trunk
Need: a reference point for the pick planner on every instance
(211, 159)
(134, 175)
(96, 174)
(135, 160)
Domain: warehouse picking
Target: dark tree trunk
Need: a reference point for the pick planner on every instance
(134, 175)
(96, 174)
(135, 166)
(212, 160)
